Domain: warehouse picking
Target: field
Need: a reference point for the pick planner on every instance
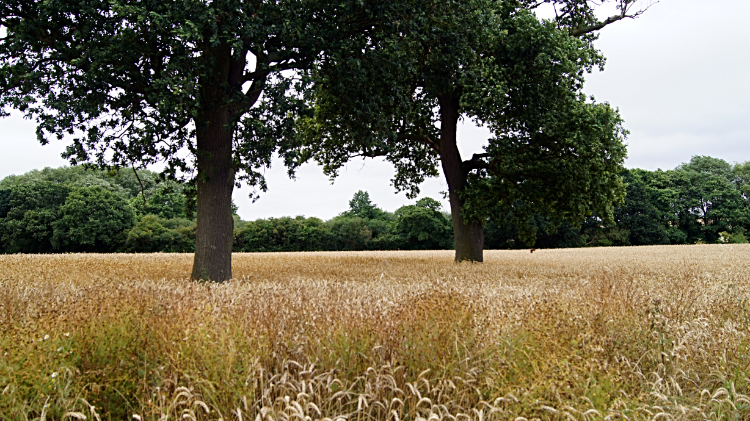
(602, 333)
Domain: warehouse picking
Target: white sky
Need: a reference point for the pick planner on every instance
(679, 75)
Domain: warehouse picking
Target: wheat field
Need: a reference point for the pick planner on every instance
(576, 334)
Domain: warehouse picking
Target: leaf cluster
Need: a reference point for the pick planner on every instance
(129, 82)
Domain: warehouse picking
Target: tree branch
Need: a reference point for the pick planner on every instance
(296, 65)
(255, 90)
(143, 195)
(625, 6)
(421, 138)
(372, 153)
(476, 162)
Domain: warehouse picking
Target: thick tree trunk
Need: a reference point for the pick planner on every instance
(469, 238)
(214, 236)
(214, 140)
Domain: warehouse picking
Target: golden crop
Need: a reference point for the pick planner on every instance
(603, 333)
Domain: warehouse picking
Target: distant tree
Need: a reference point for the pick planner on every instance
(154, 234)
(167, 201)
(364, 226)
(69, 176)
(646, 212)
(283, 234)
(503, 232)
(29, 214)
(596, 233)
(708, 200)
(423, 227)
(361, 206)
(350, 233)
(128, 183)
(741, 174)
(5, 195)
(93, 220)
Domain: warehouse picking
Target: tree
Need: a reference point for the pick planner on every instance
(364, 226)
(422, 226)
(154, 234)
(80, 177)
(708, 200)
(400, 95)
(135, 82)
(282, 234)
(166, 201)
(742, 178)
(28, 214)
(92, 220)
(147, 192)
(362, 206)
(646, 211)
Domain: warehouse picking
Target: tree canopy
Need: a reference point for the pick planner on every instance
(213, 90)
(400, 95)
(203, 87)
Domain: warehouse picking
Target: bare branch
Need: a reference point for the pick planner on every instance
(625, 6)
(534, 5)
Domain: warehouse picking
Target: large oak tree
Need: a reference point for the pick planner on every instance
(401, 94)
(203, 86)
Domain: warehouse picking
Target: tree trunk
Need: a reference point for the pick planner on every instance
(214, 140)
(469, 238)
(215, 231)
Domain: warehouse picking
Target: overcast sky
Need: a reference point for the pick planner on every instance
(679, 75)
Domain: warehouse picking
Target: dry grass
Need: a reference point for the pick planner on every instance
(615, 333)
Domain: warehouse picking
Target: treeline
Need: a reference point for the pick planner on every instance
(706, 200)
(71, 209)
(364, 226)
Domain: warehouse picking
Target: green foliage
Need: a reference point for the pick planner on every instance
(283, 234)
(708, 200)
(361, 206)
(423, 226)
(93, 220)
(155, 234)
(35, 220)
(350, 233)
(5, 195)
(647, 212)
(493, 62)
(596, 233)
(167, 201)
(31, 214)
(413, 227)
(161, 196)
(124, 182)
(698, 202)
